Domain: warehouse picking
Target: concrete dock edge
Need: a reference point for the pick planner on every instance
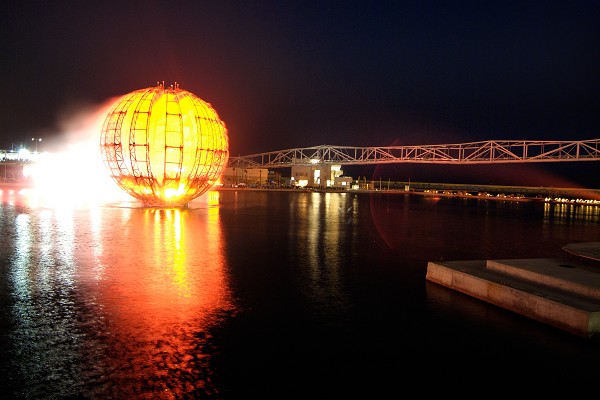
(557, 292)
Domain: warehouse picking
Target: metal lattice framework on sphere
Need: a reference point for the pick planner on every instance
(164, 146)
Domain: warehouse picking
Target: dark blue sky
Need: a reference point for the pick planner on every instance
(285, 74)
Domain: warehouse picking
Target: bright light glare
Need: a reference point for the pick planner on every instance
(24, 154)
(73, 177)
(76, 175)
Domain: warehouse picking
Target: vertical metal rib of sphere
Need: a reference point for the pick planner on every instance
(164, 146)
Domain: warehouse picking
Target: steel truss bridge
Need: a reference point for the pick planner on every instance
(485, 152)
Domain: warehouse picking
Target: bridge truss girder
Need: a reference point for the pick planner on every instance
(484, 152)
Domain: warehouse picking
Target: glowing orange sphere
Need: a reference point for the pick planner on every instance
(164, 146)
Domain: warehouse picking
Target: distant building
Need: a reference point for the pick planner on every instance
(320, 176)
(316, 176)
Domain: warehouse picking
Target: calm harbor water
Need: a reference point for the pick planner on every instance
(274, 295)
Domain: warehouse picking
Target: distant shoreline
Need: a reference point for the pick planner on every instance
(488, 192)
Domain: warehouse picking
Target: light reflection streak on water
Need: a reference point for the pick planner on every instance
(334, 223)
(45, 339)
(313, 232)
(322, 222)
(351, 224)
(65, 241)
(96, 242)
(553, 213)
(168, 235)
(181, 276)
(22, 254)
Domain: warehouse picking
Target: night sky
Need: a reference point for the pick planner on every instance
(286, 74)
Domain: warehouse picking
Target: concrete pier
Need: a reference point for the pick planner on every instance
(561, 292)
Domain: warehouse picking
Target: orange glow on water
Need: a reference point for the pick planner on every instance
(164, 146)
(158, 298)
(144, 286)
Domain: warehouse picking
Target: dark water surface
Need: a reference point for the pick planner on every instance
(275, 295)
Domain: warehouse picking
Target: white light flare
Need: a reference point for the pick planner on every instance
(75, 176)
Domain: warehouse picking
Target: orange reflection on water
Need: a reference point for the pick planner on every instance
(165, 286)
(137, 290)
(176, 255)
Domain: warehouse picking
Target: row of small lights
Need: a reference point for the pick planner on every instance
(572, 201)
(520, 196)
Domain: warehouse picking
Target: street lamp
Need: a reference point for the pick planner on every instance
(36, 140)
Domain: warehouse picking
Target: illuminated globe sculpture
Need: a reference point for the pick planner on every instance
(164, 146)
